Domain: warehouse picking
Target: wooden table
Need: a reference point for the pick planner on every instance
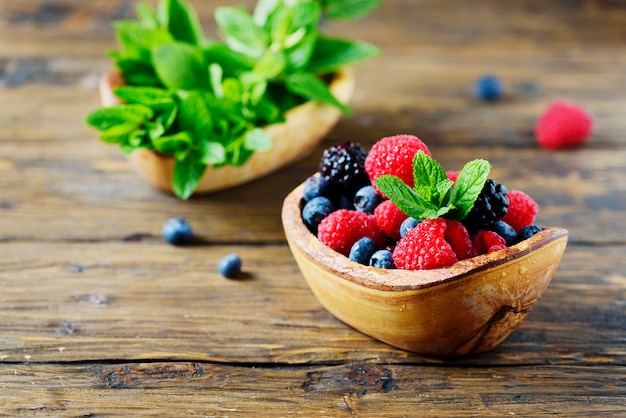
(99, 316)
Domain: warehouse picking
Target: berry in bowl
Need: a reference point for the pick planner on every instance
(433, 262)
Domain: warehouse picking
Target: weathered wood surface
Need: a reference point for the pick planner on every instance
(100, 317)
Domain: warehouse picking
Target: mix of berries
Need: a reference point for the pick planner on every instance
(349, 213)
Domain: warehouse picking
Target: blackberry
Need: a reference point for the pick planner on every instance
(344, 166)
(491, 205)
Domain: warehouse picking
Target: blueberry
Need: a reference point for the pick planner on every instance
(315, 210)
(177, 231)
(362, 250)
(382, 259)
(407, 225)
(230, 266)
(488, 88)
(315, 186)
(527, 232)
(505, 230)
(366, 199)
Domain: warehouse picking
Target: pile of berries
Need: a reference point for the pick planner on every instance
(343, 207)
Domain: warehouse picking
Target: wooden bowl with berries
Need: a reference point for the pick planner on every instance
(436, 263)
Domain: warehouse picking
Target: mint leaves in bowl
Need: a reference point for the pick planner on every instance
(198, 115)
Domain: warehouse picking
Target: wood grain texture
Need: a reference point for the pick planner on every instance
(100, 317)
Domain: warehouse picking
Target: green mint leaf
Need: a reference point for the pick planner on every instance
(404, 197)
(165, 112)
(216, 75)
(146, 95)
(136, 72)
(436, 213)
(240, 32)
(147, 16)
(154, 130)
(187, 174)
(271, 65)
(213, 153)
(194, 115)
(180, 66)
(350, 9)
(107, 117)
(176, 144)
(331, 54)
(257, 140)
(468, 186)
(310, 87)
(428, 174)
(118, 134)
(263, 10)
(181, 20)
(232, 62)
(137, 41)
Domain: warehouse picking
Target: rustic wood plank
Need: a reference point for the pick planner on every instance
(149, 301)
(363, 389)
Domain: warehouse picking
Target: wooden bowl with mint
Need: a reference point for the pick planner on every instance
(198, 115)
(458, 280)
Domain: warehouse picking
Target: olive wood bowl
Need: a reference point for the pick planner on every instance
(305, 126)
(470, 307)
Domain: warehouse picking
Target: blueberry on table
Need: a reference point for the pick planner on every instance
(488, 88)
(177, 231)
(230, 266)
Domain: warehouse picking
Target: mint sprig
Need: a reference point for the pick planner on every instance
(434, 195)
(203, 100)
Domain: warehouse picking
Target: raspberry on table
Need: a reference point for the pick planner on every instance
(564, 124)
(342, 228)
(343, 166)
(394, 155)
(522, 210)
(425, 247)
(389, 218)
(491, 204)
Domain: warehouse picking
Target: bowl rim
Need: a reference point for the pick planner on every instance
(301, 239)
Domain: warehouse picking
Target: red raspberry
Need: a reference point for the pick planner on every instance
(522, 210)
(484, 242)
(342, 228)
(452, 175)
(389, 218)
(563, 125)
(425, 247)
(456, 234)
(394, 155)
